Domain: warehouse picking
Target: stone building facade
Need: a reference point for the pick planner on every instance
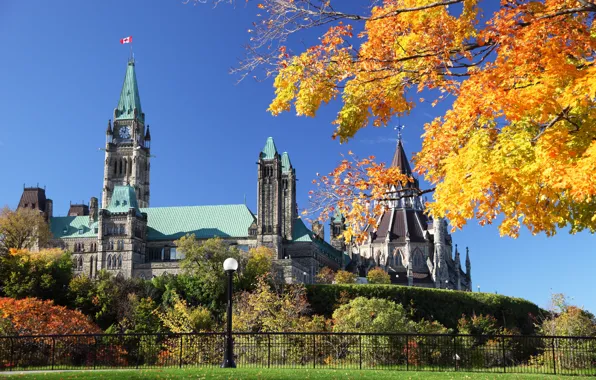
(127, 237)
(412, 247)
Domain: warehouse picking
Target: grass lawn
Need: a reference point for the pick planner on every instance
(244, 373)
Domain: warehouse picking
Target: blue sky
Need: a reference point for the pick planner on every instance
(61, 73)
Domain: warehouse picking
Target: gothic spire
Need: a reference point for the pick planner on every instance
(400, 160)
(109, 129)
(147, 134)
(286, 164)
(269, 150)
(129, 105)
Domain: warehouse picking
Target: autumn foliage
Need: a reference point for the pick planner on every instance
(519, 141)
(31, 316)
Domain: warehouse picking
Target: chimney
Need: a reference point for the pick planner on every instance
(49, 209)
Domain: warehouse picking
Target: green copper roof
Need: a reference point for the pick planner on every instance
(337, 217)
(286, 165)
(300, 233)
(123, 198)
(169, 223)
(64, 227)
(129, 97)
(269, 151)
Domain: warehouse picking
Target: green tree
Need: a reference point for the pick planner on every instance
(260, 263)
(22, 229)
(372, 315)
(269, 308)
(378, 276)
(45, 274)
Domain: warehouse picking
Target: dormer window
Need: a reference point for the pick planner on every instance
(65, 230)
(81, 230)
(117, 203)
(124, 203)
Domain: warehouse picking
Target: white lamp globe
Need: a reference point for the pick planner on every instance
(230, 264)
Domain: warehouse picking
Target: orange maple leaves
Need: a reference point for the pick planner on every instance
(519, 141)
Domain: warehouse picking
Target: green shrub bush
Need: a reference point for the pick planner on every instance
(444, 306)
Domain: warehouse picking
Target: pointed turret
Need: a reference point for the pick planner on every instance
(286, 164)
(400, 160)
(109, 129)
(147, 138)
(269, 151)
(129, 105)
(468, 267)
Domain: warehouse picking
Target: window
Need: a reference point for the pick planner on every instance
(81, 230)
(173, 253)
(119, 261)
(109, 261)
(418, 259)
(79, 265)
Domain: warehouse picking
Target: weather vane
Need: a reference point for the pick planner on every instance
(399, 128)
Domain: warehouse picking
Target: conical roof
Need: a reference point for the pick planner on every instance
(286, 164)
(269, 150)
(400, 160)
(129, 96)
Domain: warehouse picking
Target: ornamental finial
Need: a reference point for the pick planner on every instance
(399, 128)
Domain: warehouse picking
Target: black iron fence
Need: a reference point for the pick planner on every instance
(413, 352)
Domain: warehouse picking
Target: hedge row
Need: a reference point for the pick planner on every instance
(445, 306)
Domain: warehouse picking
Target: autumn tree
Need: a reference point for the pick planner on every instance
(378, 276)
(325, 276)
(31, 316)
(272, 308)
(519, 140)
(22, 229)
(259, 263)
(345, 277)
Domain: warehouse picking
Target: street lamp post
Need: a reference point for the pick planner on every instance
(230, 266)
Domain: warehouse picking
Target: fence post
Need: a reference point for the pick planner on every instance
(455, 350)
(53, 350)
(360, 344)
(138, 350)
(268, 350)
(504, 359)
(407, 352)
(554, 358)
(180, 364)
(94, 351)
(11, 353)
(314, 351)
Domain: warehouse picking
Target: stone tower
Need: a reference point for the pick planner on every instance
(338, 227)
(270, 198)
(288, 184)
(127, 145)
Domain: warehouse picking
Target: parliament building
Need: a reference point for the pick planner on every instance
(127, 237)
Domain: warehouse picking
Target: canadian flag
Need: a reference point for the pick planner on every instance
(126, 40)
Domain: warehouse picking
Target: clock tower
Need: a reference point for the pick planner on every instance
(128, 144)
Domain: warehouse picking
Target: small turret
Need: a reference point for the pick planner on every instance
(109, 133)
(147, 138)
(468, 268)
(457, 269)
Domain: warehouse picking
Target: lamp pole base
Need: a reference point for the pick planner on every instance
(228, 364)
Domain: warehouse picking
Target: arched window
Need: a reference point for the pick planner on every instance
(119, 261)
(163, 254)
(109, 261)
(398, 259)
(418, 259)
(111, 245)
(80, 263)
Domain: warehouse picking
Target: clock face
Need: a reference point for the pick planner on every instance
(124, 132)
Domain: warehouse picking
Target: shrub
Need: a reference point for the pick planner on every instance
(344, 277)
(325, 276)
(444, 306)
(378, 276)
